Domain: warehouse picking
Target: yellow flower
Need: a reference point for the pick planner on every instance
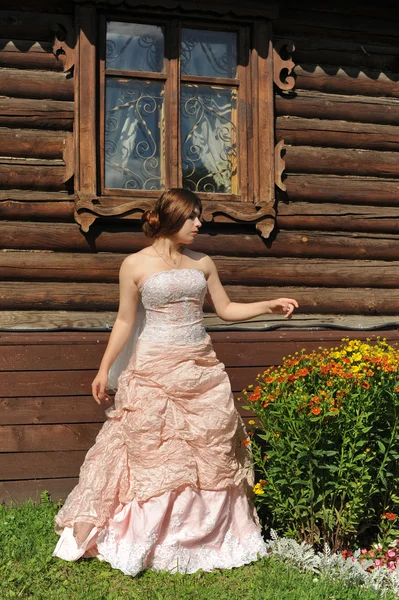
(251, 422)
(258, 489)
(357, 356)
(356, 368)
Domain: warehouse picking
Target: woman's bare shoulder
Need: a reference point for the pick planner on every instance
(137, 262)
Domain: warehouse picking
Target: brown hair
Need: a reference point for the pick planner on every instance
(170, 212)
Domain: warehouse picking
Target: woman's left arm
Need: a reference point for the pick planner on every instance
(238, 311)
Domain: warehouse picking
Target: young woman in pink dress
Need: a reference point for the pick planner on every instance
(167, 484)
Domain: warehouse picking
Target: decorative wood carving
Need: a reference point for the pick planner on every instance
(88, 208)
(64, 40)
(283, 67)
(279, 165)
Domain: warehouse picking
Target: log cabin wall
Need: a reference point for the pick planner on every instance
(335, 247)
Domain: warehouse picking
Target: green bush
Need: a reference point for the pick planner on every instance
(326, 446)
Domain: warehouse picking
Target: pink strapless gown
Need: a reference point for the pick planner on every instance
(167, 484)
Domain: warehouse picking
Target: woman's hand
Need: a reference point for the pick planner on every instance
(283, 306)
(98, 387)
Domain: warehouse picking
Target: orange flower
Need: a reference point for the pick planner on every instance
(316, 410)
(246, 442)
(330, 383)
(254, 396)
(390, 516)
(280, 379)
(262, 482)
(365, 384)
(397, 389)
(303, 372)
(266, 457)
(316, 399)
(269, 380)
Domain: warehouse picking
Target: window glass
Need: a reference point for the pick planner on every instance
(135, 47)
(134, 134)
(208, 53)
(208, 138)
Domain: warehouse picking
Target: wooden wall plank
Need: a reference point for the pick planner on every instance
(38, 410)
(244, 243)
(41, 465)
(17, 492)
(317, 105)
(341, 134)
(37, 211)
(38, 438)
(46, 114)
(341, 161)
(32, 143)
(335, 80)
(364, 191)
(29, 54)
(19, 83)
(32, 175)
(104, 267)
(87, 296)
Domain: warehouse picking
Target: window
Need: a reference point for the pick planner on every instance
(169, 100)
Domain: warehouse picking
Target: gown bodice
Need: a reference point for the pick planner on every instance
(173, 302)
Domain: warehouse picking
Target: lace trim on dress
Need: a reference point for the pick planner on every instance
(175, 557)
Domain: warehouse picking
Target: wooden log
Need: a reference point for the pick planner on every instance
(45, 114)
(47, 383)
(300, 21)
(91, 296)
(335, 80)
(341, 161)
(32, 143)
(316, 105)
(342, 7)
(337, 217)
(25, 23)
(28, 54)
(341, 134)
(302, 244)
(104, 267)
(48, 357)
(344, 53)
(19, 83)
(59, 409)
(343, 189)
(32, 174)
(17, 492)
(17, 320)
(36, 438)
(37, 211)
(41, 465)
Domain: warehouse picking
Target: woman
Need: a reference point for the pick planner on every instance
(167, 484)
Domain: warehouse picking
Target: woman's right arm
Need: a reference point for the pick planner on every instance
(129, 296)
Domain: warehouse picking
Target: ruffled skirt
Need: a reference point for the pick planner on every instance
(167, 484)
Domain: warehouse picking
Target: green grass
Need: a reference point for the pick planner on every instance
(27, 570)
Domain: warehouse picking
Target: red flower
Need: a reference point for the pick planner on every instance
(390, 516)
(365, 384)
(316, 410)
(396, 389)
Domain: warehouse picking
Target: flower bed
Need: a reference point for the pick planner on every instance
(326, 445)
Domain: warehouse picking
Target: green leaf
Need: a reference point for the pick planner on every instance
(381, 446)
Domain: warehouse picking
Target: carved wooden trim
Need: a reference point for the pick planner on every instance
(88, 207)
(280, 65)
(279, 165)
(64, 40)
(250, 8)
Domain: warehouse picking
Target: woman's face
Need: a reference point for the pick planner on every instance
(188, 232)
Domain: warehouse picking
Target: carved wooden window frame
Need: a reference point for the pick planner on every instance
(263, 163)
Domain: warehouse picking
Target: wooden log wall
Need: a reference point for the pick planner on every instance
(49, 420)
(335, 247)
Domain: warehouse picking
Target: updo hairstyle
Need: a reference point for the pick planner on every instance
(170, 212)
